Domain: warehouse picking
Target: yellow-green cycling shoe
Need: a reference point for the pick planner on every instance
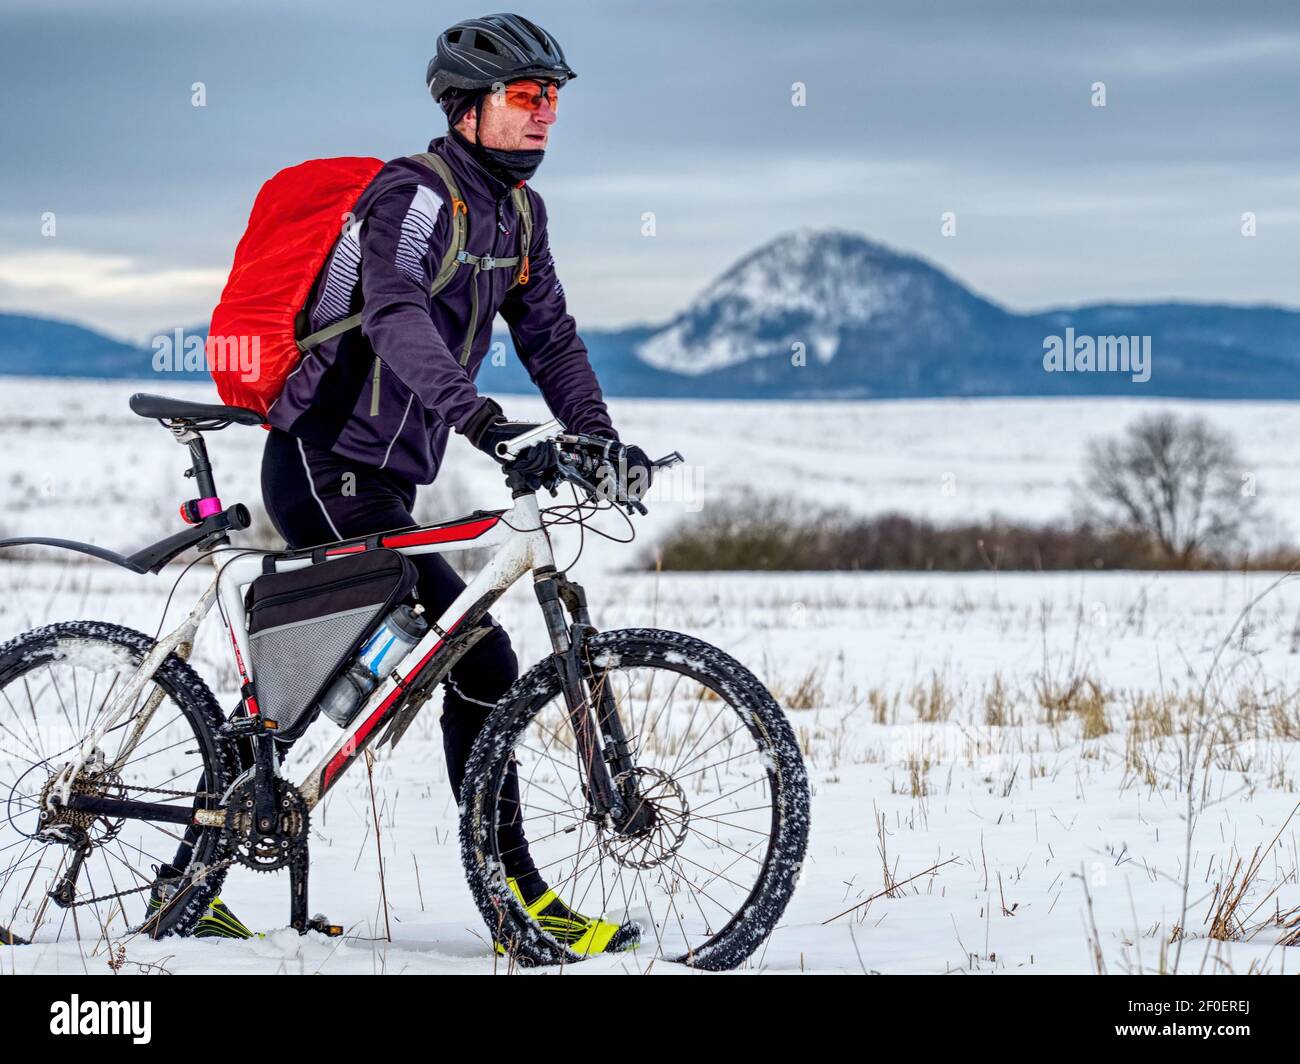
(582, 934)
(219, 922)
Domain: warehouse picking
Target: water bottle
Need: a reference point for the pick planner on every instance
(379, 655)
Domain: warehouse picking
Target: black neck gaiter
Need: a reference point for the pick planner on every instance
(509, 167)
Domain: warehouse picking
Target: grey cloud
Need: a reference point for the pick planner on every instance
(684, 109)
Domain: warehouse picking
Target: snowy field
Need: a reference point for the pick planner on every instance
(75, 456)
(999, 762)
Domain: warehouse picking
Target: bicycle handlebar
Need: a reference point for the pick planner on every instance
(578, 458)
(529, 434)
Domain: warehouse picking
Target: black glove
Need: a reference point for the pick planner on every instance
(488, 426)
(626, 471)
(534, 467)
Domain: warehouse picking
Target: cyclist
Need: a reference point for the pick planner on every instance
(365, 417)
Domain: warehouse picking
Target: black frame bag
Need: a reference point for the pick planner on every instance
(306, 626)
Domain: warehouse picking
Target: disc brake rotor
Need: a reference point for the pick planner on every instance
(669, 820)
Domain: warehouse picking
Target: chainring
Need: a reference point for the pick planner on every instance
(266, 851)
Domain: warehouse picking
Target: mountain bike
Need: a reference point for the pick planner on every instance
(653, 775)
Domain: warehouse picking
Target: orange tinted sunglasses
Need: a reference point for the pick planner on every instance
(528, 95)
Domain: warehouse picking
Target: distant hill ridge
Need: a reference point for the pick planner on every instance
(831, 314)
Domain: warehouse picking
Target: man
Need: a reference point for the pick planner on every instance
(365, 417)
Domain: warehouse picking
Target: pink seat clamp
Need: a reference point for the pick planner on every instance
(209, 506)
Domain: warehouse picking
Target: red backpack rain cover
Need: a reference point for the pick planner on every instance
(296, 218)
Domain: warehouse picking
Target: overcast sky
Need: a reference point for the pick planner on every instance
(683, 109)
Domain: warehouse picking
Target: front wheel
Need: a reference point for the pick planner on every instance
(706, 879)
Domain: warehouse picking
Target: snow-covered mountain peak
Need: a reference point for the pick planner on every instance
(806, 287)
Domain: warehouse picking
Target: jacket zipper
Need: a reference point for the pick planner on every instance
(374, 389)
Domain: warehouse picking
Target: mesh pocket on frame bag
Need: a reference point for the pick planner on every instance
(304, 626)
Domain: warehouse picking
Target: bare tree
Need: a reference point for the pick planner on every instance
(1175, 479)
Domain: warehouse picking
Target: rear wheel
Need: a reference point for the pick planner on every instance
(74, 875)
(707, 876)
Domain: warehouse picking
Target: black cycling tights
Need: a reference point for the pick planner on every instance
(314, 497)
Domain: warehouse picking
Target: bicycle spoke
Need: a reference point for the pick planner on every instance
(739, 827)
(726, 846)
(715, 764)
(679, 764)
(547, 814)
(18, 717)
(719, 798)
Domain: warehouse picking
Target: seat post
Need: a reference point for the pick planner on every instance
(208, 503)
(202, 470)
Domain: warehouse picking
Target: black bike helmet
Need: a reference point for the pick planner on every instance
(480, 52)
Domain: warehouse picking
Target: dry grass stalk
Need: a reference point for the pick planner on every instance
(379, 850)
(998, 704)
(806, 694)
(933, 701)
(1082, 697)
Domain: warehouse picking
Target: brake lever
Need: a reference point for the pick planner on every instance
(571, 473)
(668, 460)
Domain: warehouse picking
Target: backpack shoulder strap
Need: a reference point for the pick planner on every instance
(450, 260)
(525, 208)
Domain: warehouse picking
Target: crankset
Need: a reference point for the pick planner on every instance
(261, 845)
(267, 844)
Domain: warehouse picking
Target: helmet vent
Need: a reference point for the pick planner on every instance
(479, 52)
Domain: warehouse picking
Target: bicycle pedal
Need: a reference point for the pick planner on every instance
(321, 924)
(246, 727)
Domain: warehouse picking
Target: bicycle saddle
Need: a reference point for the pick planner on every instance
(159, 406)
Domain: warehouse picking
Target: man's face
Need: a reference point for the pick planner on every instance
(516, 117)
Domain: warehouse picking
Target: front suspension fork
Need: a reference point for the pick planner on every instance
(602, 742)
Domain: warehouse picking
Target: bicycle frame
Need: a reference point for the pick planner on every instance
(522, 545)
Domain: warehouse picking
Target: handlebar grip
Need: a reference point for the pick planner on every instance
(528, 434)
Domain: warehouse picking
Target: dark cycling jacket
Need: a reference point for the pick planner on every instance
(395, 414)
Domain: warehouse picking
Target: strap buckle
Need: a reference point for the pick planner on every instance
(487, 262)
